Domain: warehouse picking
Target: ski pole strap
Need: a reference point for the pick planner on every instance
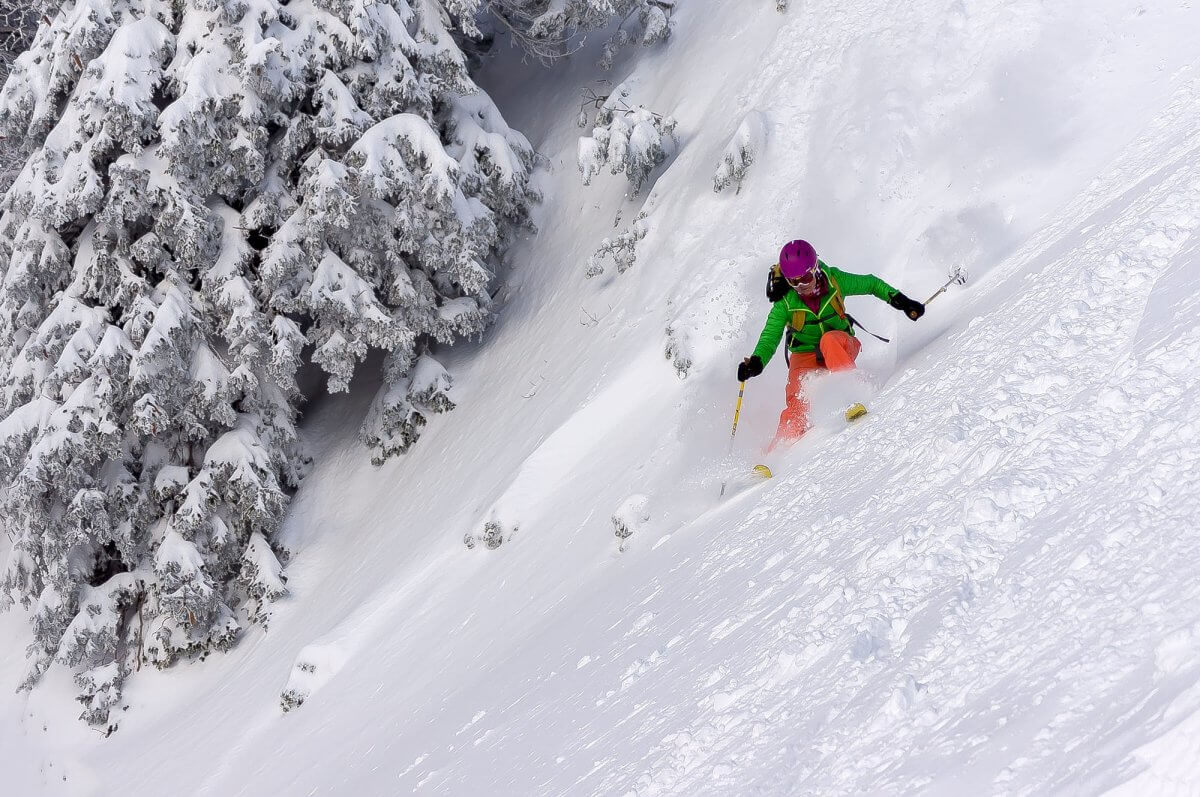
(850, 318)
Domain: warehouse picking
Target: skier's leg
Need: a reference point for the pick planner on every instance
(840, 350)
(793, 421)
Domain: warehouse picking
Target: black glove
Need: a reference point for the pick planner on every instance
(910, 308)
(749, 368)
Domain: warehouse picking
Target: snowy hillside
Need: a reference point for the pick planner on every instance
(985, 586)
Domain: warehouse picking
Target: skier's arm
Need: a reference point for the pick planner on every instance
(772, 332)
(862, 285)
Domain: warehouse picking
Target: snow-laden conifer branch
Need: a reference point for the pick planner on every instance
(622, 249)
(551, 29)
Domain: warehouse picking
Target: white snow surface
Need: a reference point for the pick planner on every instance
(985, 586)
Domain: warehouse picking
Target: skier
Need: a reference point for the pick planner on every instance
(821, 333)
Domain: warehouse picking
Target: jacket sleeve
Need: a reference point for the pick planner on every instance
(772, 332)
(862, 284)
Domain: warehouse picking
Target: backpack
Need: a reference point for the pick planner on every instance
(777, 286)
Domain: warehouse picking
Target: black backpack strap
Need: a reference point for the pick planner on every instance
(850, 318)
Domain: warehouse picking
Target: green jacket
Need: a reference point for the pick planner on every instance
(807, 326)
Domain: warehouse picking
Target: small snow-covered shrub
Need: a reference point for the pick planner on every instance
(497, 529)
(679, 350)
(495, 533)
(622, 249)
(292, 698)
(299, 686)
(315, 665)
(629, 139)
(743, 149)
(631, 516)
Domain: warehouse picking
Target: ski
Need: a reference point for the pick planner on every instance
(739, 484)
(855, 411)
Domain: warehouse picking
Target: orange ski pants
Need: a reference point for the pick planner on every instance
(839, 351)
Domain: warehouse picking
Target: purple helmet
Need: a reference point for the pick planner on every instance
(796, 259)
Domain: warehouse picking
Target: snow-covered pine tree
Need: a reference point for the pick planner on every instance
(211, 186)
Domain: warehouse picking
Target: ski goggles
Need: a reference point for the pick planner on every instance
(805, 280)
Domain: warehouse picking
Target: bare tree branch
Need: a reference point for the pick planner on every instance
(18, 23)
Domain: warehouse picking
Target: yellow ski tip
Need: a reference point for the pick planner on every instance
(763, 471)
(855, 411)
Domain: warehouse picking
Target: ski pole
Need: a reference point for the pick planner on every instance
(737, 411)
(957, 277)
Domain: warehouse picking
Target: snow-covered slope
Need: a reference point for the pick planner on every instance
(985, 586)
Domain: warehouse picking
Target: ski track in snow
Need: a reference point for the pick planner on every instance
(983, 587)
